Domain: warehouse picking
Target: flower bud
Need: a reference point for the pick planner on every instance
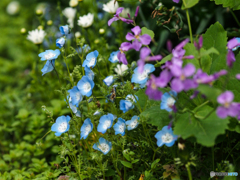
(39, 12)
(23, 31)
(49, 22)
(73, 3)
(96, 41)
(77, 34)
(101, 31)
(40, 27)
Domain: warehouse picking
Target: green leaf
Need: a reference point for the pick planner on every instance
(191, 50)
(135, 161)
(154, 163)
(165, 59)
(189, 3)
(126, 164)
(126, 155)
(147, 31)
(156, 116)
(216, 37)
(22, 113)
(235, 4)
(210, 92)
(209, 51)
(205, 130)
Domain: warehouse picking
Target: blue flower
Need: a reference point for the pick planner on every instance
(85, 86)
(165, 136)
(120, 127)
(97, 113)
(91, 59)
(168, 100)
(103, 145)
(141, 78)
(49, 54)
(74, 109)
(105, 123)
(86, 128)
(238, 40)
(48, 67)
(61, 125)
(108, 80)
(84, 49)
(75, 95)
(127, 104)
(113, 57)
(60, 42)
(64, 29)
(133, 123)
(89, 73)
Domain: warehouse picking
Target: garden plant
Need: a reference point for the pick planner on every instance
(120, 89)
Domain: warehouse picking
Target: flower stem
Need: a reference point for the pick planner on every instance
(189, 172)
(234, 16)
(189, 22)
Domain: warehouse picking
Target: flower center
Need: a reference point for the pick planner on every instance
(49, 55)
(87, 129)
(167, 138)
(121, 128)
(78, 96)
(144, 75)
(182, 77)
(153, 86)
(92, 61)
(131, 98)
(137, 36)
(226, 105)
(133, 124)
(104, 147)
(62, 127)
(107, 124)
(170, 102)
(87, 86)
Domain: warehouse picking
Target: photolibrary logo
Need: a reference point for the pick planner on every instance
(212, 174)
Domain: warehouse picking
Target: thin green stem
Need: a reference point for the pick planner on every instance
(213, 157)
(189, 172)
(203, 104)
(189, 22)
(231, 150)
(234, 16)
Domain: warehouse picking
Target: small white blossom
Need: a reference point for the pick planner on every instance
(77, 34)
(125, 12)
(70, 13)
(111, 6)
(73, 3)
(86, 20)
(36, 36)
(120, 69)
(13, 8)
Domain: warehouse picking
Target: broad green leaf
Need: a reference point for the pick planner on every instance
(154, 163)
(126, 164)
(189, 3)
(216, 37)
(235, 4)
(210, 92)
(147, 31)
(135, 161)
(126, 155)
(22, 113)
(156, 116)
(204, 130)
(209, 51)
(143, 99)
(191, 50)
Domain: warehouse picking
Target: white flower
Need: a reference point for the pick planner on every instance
(70, 13)
(77, 34)
(86, 20)
(120, 69)
(13, 8)
(73, 3)
(111, 6)
(125, 12)
(36, 36)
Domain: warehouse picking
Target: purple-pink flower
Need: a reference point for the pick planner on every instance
(125, 46)
(227, 108)
(117, 17)
(176, 1)
(139, 40)
(152, 89)
(199, 44)
(144, 56)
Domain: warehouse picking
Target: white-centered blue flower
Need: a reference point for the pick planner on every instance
(61, 125)
(120, 127)
(76, 96)
(113, 57)
(86, 128)
(74, 108)
(105, 123)
(48, 67)
(91, 59)
(60, 42)
(108, 80)
(89, 73)
(168, 100)
(84, 49)
(103, 145)
(133, 123)
(64, 29)
(128, 103)
(165, 136)
(49, 55)
(85, 86)
(141, 78)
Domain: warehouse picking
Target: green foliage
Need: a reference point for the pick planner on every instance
(228, 3)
